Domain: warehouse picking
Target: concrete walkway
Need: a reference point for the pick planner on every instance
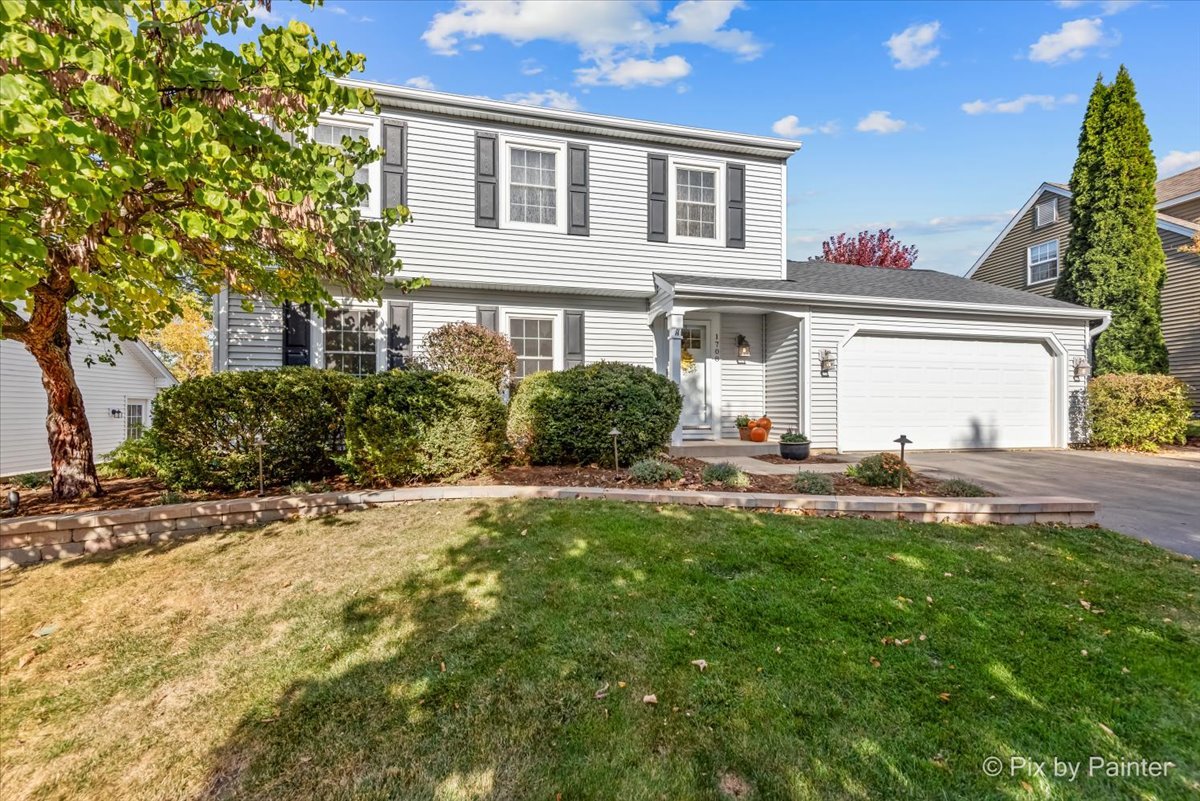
(1151, 497)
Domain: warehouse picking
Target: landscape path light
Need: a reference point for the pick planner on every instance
(616, 432)
(903, 440)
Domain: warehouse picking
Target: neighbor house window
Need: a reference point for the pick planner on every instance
(135, 419)
(1045, 213)
(533, 340)
(350, 342)
(695, 203)
(1043, 262)
(331, 133)
(533, 186)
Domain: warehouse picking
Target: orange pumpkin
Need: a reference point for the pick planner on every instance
(763, 422)
(758, 434)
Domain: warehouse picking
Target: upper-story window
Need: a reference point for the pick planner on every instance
(697, 190)
(1042, 262)
(1045, 213)
(535, 191)
(331, 132)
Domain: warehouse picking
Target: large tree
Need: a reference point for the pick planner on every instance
(1114, 259)
(142, 158)
(879, 249)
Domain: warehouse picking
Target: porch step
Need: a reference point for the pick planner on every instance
(702, 449)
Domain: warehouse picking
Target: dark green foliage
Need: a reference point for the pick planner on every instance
(792, 437)
(1138, 411)
(725, 474)
(961, 488)
(807, 482)
(654, 471)
(565, 417)
(31, 480)
(880, 470)
(204, 429)
(1114, 259)
(133, 458)
(417, 425)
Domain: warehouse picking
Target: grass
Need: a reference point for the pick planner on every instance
(502, 650)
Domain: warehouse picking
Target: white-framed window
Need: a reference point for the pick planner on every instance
(697, 196)
(1042, 262)
(135, 418)
(533, 339)
(351, 342)
(1045, 213)
(331, 131)
(533, 184)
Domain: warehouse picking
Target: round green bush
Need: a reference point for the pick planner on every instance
(203, 433)
(961, 488)
(417, 425)
(880, 470)
(654, 471)
(565, 417)
(1138, 411)
(806, 482)
(725, 474)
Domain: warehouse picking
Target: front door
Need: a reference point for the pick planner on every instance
(693, 371)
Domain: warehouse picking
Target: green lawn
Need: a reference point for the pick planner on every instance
(456, 651)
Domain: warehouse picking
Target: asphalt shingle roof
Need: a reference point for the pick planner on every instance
(1185, 183)
(825, 278)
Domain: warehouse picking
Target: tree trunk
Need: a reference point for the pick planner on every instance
(71, 458)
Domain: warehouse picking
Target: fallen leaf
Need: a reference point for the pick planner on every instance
(874, 662)
(893, 558)
(700, 663)
(778, 650)
(1026, 786)
(921, 638)
(443, 667)
(524, 532)
(45, 631)
(650, 699)
(1124, 670)
(948, 575)
(26, 658)
(602, 692)
(928, 599)
(945, 697)
(1083, 652)
(1106, 730)
(621, 684)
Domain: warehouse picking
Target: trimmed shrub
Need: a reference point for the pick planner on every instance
(204, 429)
(31, 480)
(880, 470)
(471, 350)
(1138, 411)
(565, 417)
(725, 474)
(807, 482)
(133, 458)
(418, 425)
(654, 471)
(961, 488)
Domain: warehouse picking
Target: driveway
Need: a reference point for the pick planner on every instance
(1156, 498)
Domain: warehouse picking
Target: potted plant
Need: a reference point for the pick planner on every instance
(743, 426)
(794, 446)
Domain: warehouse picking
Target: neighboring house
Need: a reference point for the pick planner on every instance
(1026, 255)
(116, 396)
(584, 237)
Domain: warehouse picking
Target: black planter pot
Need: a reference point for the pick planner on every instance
(794, 450)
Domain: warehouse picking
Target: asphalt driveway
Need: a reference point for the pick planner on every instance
(1156, 498)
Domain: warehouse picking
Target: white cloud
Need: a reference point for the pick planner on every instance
(550, 98)
(617, 37)
(880, 122)
(634, 72)
(1107, 7)
(1018, 105)
(420, 82)
(343, 12)
(1070, 42)
(789, 127)
(1178, 161)
(530, 67)
(914, 46)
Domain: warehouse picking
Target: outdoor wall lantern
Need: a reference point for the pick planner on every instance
(827, 362)
(743, 349)
(1081, 367)
(115, 413)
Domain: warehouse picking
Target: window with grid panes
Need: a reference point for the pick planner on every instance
(532, 186)
(533, 340)
(1043, 261)
(328, 133)
(696, 203)
(350, 340)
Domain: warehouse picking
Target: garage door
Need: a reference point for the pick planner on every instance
(944, 393)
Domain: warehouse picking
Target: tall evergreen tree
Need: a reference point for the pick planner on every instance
(1114, 259)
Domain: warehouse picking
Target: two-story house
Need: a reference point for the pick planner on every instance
(1026, 253)
(585, 237)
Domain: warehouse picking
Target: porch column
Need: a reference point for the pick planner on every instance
(674, 370)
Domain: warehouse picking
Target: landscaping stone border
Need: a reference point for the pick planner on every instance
(28, 540)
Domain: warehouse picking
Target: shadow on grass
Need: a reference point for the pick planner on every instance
(515, 665)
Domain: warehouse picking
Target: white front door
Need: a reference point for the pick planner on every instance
(693, 371)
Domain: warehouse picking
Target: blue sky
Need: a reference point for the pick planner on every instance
(935, 119)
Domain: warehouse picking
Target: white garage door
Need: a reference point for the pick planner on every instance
(944, 393)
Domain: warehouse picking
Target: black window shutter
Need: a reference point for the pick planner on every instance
(656, 193)
(577, 190)
(573, 356)
(297, 334)
(488, 317)
(487, 211)
(399, 333)
(395, 164)
(735, 215)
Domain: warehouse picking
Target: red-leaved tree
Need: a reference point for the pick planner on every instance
(879, 249)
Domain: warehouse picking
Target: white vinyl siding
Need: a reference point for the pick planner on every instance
(742, 386)
(1046, 213)
(783, 389)
(1043, 262)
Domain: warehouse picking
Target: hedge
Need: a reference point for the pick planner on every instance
(565, 417)
(471, 350)
(1138, 411)
(204, 429)
(418, 425)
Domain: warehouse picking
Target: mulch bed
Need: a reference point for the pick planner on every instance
(123, 493)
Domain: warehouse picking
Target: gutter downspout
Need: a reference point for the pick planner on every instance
(1094, 333)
